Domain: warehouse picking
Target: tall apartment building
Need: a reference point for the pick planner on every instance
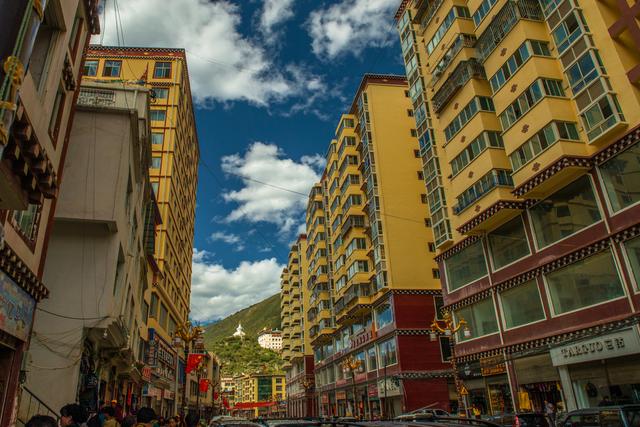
(98, 257)
(527, 113)
(296, 348)
(41, 51)
(259, 395)
(173, 172)
(372, 279)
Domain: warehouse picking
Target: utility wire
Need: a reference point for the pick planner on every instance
(71, 317)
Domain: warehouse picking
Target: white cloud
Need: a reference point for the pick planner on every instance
(224, 65)
(258, 202)
(228, 238)
(351, 26)
(274, 13)
(218, 292)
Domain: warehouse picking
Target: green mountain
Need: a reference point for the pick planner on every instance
(245, 356)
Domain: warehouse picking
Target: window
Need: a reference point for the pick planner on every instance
(410, 113)
(427, 222)
(27, 221)
(111, 68)
(372, 359)
(154, 186)
(357, 267)
(56, 114)
(480, 318)
(569, 30)
(543, 139)
(156, 161)
(527, 99)
(44, 45)
(157, 138)
(416, 154)
(466, 266)
(584, 70)
(153, 312)
(158, 115)
(508, 243)
(413, 133)
(160, 93)
(455, 12)
(482, 11)
(564, 213)
(355, 244)
(431, 247)
(494, 178)
(515, 61)
(621, 177)
(483, 141)
(383, 315)
(162, 70)
(522, 305)
(479, 103)
(420, 175)
(601, 116)
(387, 351)
(445, 348)
(423, 198)
(632, 249)
(435, 273)
(584, 283)
(90, 68)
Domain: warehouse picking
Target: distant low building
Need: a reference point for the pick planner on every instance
(270, 339)
(259, 395)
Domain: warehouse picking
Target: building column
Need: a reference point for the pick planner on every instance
(567, 388)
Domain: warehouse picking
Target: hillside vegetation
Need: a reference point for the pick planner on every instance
(245, 356)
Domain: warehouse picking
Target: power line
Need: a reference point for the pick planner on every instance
(71, 317)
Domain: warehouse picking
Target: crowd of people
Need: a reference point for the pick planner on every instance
(74, 415)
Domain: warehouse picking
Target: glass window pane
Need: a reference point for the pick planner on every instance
(466, 266)
(522, 305)
(565, 212)
(508, 243)
(621, 176)
(632, 247)
(384, 315)
(587, 282)
(480, 318)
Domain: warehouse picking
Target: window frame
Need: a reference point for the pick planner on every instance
(552, 310)
(503, 319)
(159, 66)
(490, 258)
(466, 340)
(104, 67)
(445, 273)
(635, 282)
(84, 67)
(605, 192)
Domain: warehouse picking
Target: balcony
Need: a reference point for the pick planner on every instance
(495, 178)
(426, 12)
(353, 221)
(357, 297)
(465, 71)
(503, 22)
(460, 42)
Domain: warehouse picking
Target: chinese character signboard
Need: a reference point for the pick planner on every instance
(16, 308)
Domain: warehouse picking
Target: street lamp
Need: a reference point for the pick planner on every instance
(448, 328)
(184, 337)
(351, 364)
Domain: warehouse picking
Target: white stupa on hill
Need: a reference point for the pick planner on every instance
(239, 332)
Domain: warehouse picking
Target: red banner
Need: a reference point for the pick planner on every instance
(225, 402)
(250, 405)
(204, 385)
(193, 361)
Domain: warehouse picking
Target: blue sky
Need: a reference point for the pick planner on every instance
(270, 78)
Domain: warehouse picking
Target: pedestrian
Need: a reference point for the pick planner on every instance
(109, 417)
(73, 415)
(119, 410)
(41, 421)
(550, 410)
(145, 417)
(173, 422)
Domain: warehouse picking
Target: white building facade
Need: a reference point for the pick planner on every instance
(271, 340)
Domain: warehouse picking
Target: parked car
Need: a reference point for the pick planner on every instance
(603, 416)
(418, 413)
(522, 419)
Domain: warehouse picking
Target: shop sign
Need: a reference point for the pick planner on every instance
(493, 365)
(341, 382)
(16, 308)
(152, 354)
(361, 377)
(618, 344)
(363, 337)
(372, 390)
(392, 387)
(146, 373)
(341, 395)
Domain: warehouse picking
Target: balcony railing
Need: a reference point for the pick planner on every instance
(428, 14)
(503, 22)
(353, 221)
(493, 179)
(460, 42)
(465, 71)
(31, 405)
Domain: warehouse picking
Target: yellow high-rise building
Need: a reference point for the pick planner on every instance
(174, 176)
(527, 113)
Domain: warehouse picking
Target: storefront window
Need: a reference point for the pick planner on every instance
(387, 351)
(587, 282)
(621, 176)
(480, 317)
(466, 266)
(363, 362)
(372, 360)
(508, 243)
(522, 305)
(384, 315)
(632, 247)
(566, 212)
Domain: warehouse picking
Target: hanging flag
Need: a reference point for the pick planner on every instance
(215, 396)
(204, 385)
(225, 402)
(193, 361)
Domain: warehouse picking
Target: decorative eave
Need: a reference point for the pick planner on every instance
(401, 9)
(620, 145)
(11, 264)
(489, 212)
(369, 78)
(550, 171)
(418, 375)
(458, 247)
(135, 52)
(554, 340)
